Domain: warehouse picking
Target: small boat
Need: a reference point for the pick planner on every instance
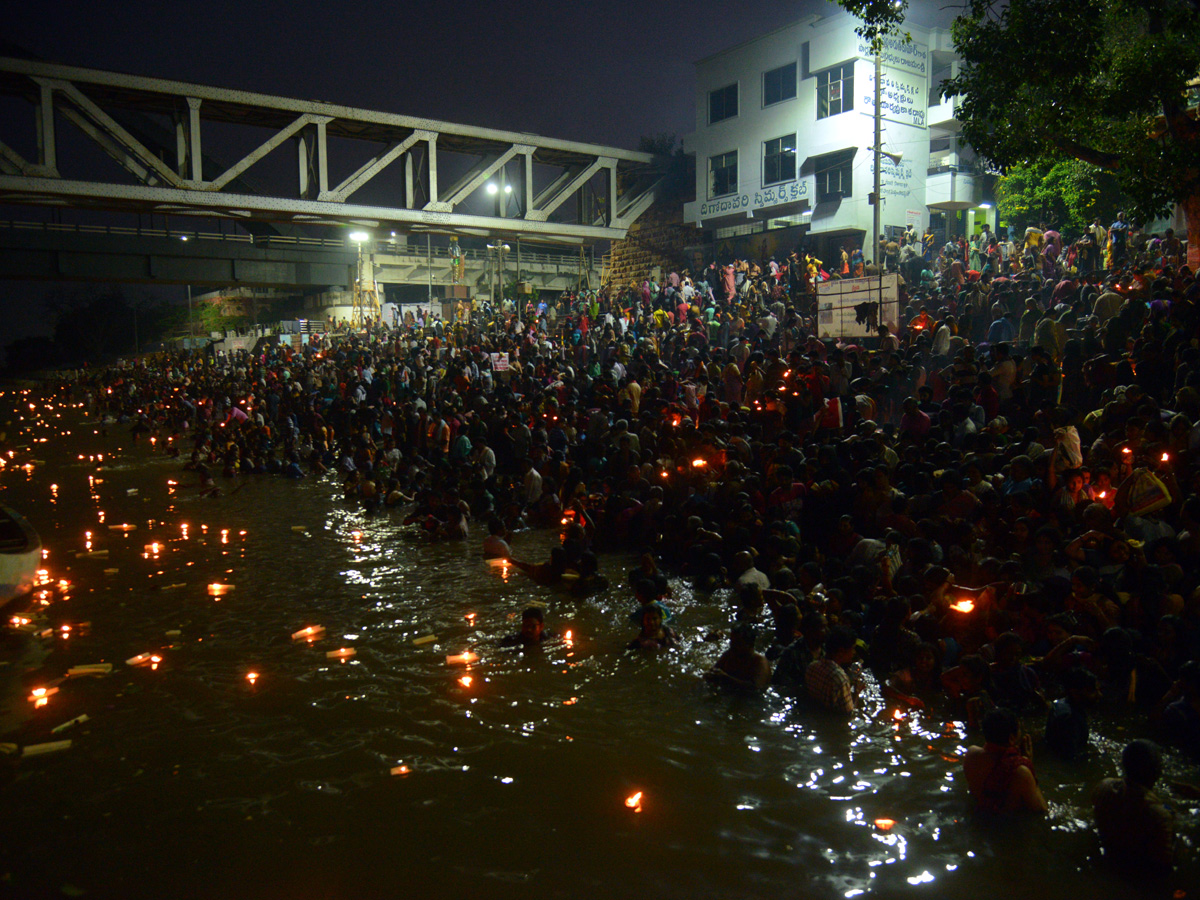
(20, 555)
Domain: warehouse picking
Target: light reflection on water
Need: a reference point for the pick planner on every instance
(515, 781)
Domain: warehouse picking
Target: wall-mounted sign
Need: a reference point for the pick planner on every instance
(896, 53)
(774, 195)
(903, 96)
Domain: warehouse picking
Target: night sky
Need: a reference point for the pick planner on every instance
(606, 71)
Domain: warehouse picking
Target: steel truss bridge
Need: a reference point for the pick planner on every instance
(155, 129)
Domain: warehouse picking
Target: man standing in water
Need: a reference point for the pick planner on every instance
(741, 665)
(827, 680)
(1136, 829)
(1000, 773)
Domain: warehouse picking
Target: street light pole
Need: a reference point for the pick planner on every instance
(878, 211)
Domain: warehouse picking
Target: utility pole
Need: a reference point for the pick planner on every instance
(878, 210)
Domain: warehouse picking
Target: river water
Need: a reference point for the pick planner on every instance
(189, 780)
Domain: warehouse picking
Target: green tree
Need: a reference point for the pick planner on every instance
(1101, 81)
(1069, 194)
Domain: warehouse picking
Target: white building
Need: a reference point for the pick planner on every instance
(784, 130)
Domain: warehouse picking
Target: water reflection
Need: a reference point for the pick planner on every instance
(508, 769)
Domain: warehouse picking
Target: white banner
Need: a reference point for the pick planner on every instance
(499, 362)
(851, 308)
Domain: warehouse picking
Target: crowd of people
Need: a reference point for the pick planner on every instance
(991, 509)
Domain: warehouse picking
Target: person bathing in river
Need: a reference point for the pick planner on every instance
(1000, 773)
(655, 635)
(495, 545)
(741, 665)
(533, 631)
(1137, 830)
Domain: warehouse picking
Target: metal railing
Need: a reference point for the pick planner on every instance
(394, 248)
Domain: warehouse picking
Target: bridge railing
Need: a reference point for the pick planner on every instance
(394, 248)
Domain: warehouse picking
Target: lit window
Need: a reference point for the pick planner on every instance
(779, 84)
(835, 90)
(835, 174)
(722, 174)
(722, 104)
(779, 160)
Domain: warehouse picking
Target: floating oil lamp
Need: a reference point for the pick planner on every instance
(252, 677)
(219, 590)
(400, 770)
(885, 824)
(311, 633)
(462, 659)
(634, 802)
(39, 697)
(343, 654)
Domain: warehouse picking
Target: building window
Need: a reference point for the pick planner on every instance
(779, 84)
(835, 90)
(835, 174)
(779, 160)
(722, 174)
(722, 104)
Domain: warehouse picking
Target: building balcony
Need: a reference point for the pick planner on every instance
(944, 115)
(954, 187)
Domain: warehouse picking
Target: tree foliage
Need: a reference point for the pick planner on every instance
(1102, 81)
(879, 17)
(1069, 193)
